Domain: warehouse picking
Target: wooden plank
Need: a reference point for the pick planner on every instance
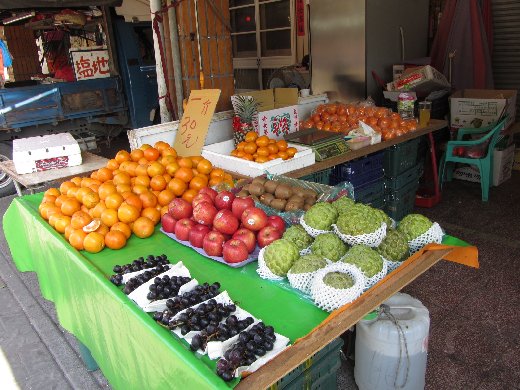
(333, 327)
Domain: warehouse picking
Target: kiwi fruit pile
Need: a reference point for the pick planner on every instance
(278, 195)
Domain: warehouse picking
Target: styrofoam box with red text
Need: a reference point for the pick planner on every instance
(219, 155)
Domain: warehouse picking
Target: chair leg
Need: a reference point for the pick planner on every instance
(449, 171)
(485, 182)
(441, 170)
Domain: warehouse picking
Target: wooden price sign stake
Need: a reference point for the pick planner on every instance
(194, 124)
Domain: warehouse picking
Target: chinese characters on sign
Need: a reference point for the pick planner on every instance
(90, 64)
(300, 18)
(194, 124)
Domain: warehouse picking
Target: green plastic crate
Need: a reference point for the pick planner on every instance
(322, 177)
(322, 364)
(401, 202)
(322, 376)
(400, 157)
(411, 175)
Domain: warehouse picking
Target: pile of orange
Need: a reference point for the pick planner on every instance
(127, 196)
(343, 118)
(262, 149)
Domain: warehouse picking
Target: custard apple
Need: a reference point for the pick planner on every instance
(321, 216)
(394, 247)
(338, 280)
(413, 225)
(308, 263)
(365, 258)
(384, 218)
(359, 219)
(343, 203)
(299, 236)
(280, 255)
(329, 246)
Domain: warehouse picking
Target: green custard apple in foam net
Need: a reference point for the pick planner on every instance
(365, 258)
(359, 219)
(413, 225)
(321, 216)
(298, 236)
(329, 246)
(342, 204)
(280, 255)
(384, 217)
(308, 263)
(338, 280)
(394, 247)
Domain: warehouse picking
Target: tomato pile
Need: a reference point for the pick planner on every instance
(262, 149)
(343, 118)
(126, 197)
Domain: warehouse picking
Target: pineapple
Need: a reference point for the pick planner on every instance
(245, 110)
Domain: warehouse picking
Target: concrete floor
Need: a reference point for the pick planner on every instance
(474, 339)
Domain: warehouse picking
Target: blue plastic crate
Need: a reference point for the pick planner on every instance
(370, 191)
(361, 171)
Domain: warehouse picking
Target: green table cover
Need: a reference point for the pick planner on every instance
(130, 348)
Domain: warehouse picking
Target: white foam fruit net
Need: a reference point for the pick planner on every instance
(302, 281)
(373, 239)
(370, 281)
(330, 298)
(312, 232)
(263, 270)
(433, 235)
(391, 265)
(305, 251)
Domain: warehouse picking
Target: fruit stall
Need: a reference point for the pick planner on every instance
(173, 273)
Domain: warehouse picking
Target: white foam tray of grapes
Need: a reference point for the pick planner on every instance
(253, 256)
(140, 270)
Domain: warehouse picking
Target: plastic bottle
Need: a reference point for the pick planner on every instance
(405, 105)
(387, 359)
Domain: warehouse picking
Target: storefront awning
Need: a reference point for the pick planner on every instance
(20, 4)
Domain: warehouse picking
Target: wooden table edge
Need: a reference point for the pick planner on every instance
(332, 328)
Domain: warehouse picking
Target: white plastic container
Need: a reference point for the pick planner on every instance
(219, 156)
(46, 152)
(380, 362)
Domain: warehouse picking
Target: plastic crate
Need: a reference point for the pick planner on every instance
(314, 371)
(378, 203)
(372, 162)
(370, 191)
(400, 157)
(322, 177)
(401, 202)
(411, 175)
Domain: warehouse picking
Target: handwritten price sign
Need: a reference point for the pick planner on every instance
(194, 124)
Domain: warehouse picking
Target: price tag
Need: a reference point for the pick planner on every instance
(194, 124)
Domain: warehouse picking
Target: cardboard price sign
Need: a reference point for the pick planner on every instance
(194, 124)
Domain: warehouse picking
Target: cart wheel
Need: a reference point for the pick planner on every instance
(6, 183)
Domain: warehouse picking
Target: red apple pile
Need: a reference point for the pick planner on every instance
(222, 225)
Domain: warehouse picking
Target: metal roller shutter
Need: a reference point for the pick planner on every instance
(506, 46)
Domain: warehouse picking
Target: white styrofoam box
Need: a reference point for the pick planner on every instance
(218, 154)
(502, 167)
(45, 152)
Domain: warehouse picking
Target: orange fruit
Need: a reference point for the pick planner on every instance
(80, 219)
(106, 189)
(139, 189)
(60, 199)
(282, 145)
(145, 146)
(189, 195)
(272, 156)
(76, 180)
(234, 153)
(248, 156)
(68, 231)
(133, 200)
(291, 151)
(165, 197)
(113, 201)
(273, 148)
(164, 210)
(122, 188)
(177, 186)
(251, 136)
(185, 174)
(155, 168)
(136, 154)
(80, 192)
(65, 186)
(143, 161)
(215, 181)
(161, 145)
(263, 151)
(112, 164)
(130, 167)
(185, 162)
(250, 148)
(121, 178)
(123, 228)
(54, 217)
(151, 154)
(261, 159)
(121, 156)
(49, 199)
(143, 227)
(71, 193)
(262, 141)
(90, 199)
(148, 199)
(109, 217)
(167, 160)
(204, 166)
(217, 172)
(171, 168)
(128, 213)
(158, 183)
(76, 239)
(61, 223)
(141, 170)
(115, 239)
(103, 229)
(169, 152)
(92, 226)
(70, 206)
(198, 182)
(94, 242)
(196, 159)
(142, 180)
(283, 155)
(104, 174)
(152, 214)
(53, 192)
(96, 211)
(240, 146)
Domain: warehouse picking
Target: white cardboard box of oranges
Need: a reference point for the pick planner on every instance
(256, 155)
(126, 197)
